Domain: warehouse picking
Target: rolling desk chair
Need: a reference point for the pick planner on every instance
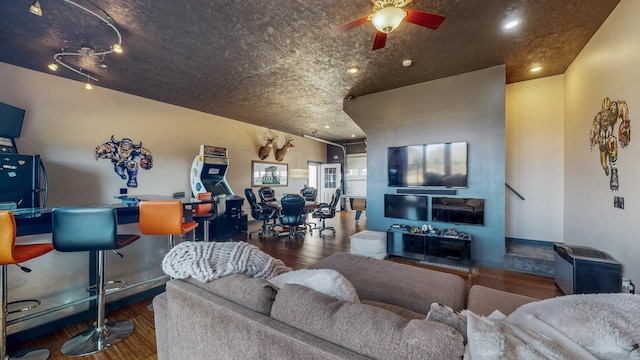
(92, 229)
(327, 211)
(309, 194)
(292, 214)
(261, 213)
(267, 195)
(12, 254)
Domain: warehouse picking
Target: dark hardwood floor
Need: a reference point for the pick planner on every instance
(141, 345)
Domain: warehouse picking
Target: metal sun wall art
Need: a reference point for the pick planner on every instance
(125, 156)
(603, 136)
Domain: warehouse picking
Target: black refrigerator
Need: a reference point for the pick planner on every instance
(23, 182)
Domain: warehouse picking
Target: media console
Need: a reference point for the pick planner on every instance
(429, 247)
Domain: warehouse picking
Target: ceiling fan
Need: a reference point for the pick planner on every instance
(387, 16)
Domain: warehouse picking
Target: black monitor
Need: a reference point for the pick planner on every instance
(408, 207)
(11, 119)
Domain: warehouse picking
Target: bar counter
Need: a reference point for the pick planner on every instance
(60, 279)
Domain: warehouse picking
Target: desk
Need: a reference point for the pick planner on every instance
(308, 205)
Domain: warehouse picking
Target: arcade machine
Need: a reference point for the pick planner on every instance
(23, 179)
(208, 174)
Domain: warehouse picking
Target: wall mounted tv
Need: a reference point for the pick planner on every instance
(408, 207)
(457, 210)
(428, 165)
(10, 121)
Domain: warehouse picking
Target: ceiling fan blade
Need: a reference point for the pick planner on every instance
(379, 41)
(348, 26)
(431, 21)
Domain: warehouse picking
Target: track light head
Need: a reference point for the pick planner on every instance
(35, 8)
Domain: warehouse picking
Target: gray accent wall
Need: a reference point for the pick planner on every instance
(468, 107)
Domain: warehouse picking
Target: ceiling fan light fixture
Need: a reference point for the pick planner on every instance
(388, 19)
(35, 8)
(117, 48)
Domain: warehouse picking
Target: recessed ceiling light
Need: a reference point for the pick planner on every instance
(407, 62)
(511, 24)
(536, 68)
(326, 126)
(353, 69)
(353, 135)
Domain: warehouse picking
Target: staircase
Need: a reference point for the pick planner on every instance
(531, 257)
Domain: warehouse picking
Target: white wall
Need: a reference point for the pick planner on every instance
(535, 159)
(64, 123)
(606, 67)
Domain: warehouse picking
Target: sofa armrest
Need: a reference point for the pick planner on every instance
(410, 287)
(161, 325)
(484, 300)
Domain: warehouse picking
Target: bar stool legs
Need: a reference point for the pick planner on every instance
(28, 354)
(105, 333)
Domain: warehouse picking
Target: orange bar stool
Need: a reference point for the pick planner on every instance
(163, 217)
(206, 212)
(92, 229)
(12, 254)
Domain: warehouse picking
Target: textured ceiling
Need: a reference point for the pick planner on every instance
(272, 62)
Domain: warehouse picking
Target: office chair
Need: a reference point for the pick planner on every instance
(309, 194)
(267, 195)
(292, 214)
(262, 213)
(326, 211)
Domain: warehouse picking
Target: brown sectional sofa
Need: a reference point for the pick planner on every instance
(238, 317)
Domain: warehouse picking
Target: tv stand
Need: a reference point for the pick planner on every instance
(428, 247)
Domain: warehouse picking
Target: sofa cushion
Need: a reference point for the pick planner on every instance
(326, 281)
(405, 313)
(366, 329)
(256, 294)
(407, 286)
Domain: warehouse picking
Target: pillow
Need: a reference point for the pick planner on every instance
(446, 315)
(327, 281)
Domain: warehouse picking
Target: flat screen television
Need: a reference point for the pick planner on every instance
(408, 207)
(443, 165)
(11, 119)
(457, 210)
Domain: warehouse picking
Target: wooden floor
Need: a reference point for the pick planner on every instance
(141, 345)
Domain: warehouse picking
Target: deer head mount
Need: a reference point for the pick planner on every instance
(264, 150)
(280, 153)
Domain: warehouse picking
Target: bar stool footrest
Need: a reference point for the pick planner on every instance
(121, 284)
(35, 304)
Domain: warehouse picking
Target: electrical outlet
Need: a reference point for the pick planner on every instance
(618, 202)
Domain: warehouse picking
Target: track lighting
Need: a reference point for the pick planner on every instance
(86, 49)
(35, 8)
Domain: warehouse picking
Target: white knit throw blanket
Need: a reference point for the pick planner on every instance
(206, 261)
